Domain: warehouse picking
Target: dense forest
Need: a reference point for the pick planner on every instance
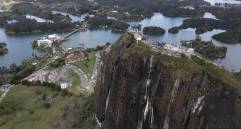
(152, 30)
(202, 25)
(206, 49)
(102, 22)
(27, 26)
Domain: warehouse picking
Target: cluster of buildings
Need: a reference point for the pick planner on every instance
(227, 5)
(49, 40)
(180, 50)
(170, 49)
(76, 54)
(188, 7)
(164, 46)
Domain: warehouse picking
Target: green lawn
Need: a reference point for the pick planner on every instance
(76, 88)
(76, 78)
(88, 65)
(25, 108)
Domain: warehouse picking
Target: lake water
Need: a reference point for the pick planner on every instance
(232, 61)
(212, 2)
(91, 39)
(209, 15)
(20, 46)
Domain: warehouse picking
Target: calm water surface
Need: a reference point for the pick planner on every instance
(232, 61)
(91, 38)
(20, 46)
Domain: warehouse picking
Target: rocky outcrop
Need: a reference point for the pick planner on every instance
(140, 89)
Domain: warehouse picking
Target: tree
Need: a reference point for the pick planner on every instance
(13, 67)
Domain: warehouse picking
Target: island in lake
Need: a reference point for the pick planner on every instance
(206, 48)
(3, 49)
(153, 30)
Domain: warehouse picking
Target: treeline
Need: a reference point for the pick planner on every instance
(78, 7)
(53, 86)
(6, 73)
(22, 71)
(14, 74)
(206, 49)
(28, 26)
(132, 6)
(147, 7)
(57, 63)
(177, 11)
(228, 37)
(24, 8)
(225, 13)
(39, 83)
(207, 24)
(202, 25)
(5, 16)
(98, 48)
(102, 22)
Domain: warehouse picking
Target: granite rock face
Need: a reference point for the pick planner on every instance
(141, 91)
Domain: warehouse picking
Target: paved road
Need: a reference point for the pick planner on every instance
(56, 75)
(96, 69)
(5, 93)
(83, 77)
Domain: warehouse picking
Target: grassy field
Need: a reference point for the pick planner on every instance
(76, 88)
(27, 107)
(88, 65)
(76, 79)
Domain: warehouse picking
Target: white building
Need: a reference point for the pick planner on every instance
(173, 48)
(63, 85)
(190, 51)
(54, 37)
(188, 7)
(137, 36)
(114, 11)
(45, 42)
